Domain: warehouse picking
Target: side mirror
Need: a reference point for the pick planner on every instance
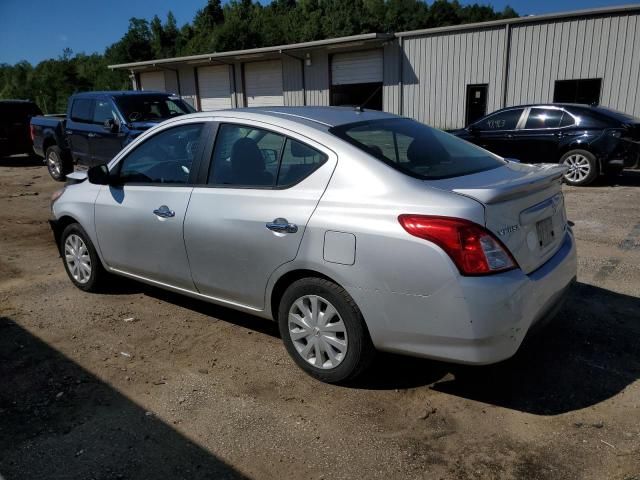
(110, 125)
(98, 175)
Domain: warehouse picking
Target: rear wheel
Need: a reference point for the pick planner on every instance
(583, 167)
(58, 163)
(81, 260)
(324, 331)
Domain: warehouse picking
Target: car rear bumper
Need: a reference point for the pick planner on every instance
(475, 320)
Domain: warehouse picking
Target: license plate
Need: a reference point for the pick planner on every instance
(545, 231)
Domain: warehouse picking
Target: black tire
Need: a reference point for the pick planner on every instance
(98, 276)
(360, 350)
(58, 163)
(583, 167)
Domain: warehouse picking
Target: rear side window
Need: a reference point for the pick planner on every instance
(506, 120)
(82, 110)
(298, 162)
(416, 149)
(543, 118)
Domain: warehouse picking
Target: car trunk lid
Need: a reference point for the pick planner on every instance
(524, 208)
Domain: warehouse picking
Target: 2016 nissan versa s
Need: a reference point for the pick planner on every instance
(354, 230)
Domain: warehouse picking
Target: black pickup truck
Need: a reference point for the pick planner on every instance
(98, 125)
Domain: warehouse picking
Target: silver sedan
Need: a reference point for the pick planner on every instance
(355, 230)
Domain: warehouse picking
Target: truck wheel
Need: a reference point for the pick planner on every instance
(583, 167)
(58, 163)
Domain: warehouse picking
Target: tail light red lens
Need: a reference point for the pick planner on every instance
(473, 249)
(32, 132)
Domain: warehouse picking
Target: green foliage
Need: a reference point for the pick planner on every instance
(237, 25)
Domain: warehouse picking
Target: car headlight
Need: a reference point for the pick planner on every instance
(55, 196)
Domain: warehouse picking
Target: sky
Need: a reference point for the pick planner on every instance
(35, 30)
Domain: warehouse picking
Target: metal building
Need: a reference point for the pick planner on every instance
(445, 77)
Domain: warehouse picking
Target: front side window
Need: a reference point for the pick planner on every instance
(82, 110)
(103, 111)
(543, 118)
(245, 157)
(506, 120)
(165, 158)
(416, 149)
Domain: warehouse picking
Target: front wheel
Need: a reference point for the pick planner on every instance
(81, 260)
(324, 331)
(583, 167)
(58, 163)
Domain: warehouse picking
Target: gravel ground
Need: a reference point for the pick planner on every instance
(140, 383)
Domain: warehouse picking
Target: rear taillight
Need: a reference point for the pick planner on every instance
(473, 249)
(32, 132)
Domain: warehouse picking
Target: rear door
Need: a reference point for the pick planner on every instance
(139, 219)
(495, 132)
(79, 128)
(104, 143)
(248, 215)
(537, 140)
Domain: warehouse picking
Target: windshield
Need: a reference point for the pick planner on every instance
(142, 108)
(416, 149)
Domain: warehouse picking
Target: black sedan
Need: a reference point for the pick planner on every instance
(591, 141)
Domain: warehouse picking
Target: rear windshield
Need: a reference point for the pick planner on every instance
(618, 115)
(142, 108)
(416, 149)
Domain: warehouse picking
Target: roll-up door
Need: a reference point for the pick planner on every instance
(153, 81)
(356, 67)
(263, 83)
(215, 87)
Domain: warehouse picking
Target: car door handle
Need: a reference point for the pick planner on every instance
(508, 135)
(92, 135)
(68, 132)
(281, 225)
(164, 212)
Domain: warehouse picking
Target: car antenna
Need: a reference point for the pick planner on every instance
(360, 108)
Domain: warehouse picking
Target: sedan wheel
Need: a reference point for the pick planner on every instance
(324, 331)
(582, 167)
(76, 255)
(317, 331)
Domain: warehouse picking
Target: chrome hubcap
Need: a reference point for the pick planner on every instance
(317, 331)
(76, 255)
(54, 164)
(579, 167)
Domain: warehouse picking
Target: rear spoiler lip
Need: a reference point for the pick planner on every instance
(542, 179)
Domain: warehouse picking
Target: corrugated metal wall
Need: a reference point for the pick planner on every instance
(437, 69)
(188, 85)
(579, 48)
(293, 91)
(317, 79)
(391, 77)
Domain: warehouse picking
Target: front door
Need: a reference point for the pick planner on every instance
(476, 103)
(495, 132)
(104, 143)
(139, 218)
(250, 217)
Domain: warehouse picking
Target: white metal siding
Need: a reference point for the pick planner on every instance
(215, 87)
(356, 67)
(596, 47)
(437, 69)
(153, 81)
(263, 81)
(316, 79)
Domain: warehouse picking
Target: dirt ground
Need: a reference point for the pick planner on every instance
(144, 384)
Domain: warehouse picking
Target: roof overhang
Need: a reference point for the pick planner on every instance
(351, 42)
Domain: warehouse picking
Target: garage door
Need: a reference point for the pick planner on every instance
(356, 67)
(263, 82)
(215, 87)
(153, 81)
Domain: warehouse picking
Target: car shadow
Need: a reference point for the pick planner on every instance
(59, 421)
(628, 178)
(588, 354)
(21, 161)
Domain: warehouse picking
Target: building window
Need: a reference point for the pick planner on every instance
(578, 91)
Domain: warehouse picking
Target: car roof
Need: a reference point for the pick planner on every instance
(313, 116)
